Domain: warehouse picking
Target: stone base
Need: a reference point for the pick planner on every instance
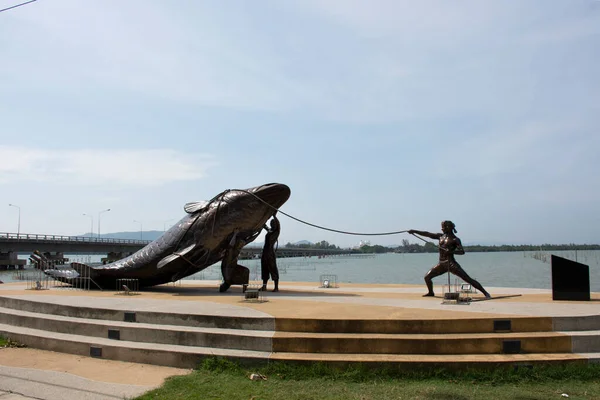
(371, 324)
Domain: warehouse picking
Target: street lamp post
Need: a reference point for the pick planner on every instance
(91, 224)
(141, 230)
(100, 213)
(19, 223)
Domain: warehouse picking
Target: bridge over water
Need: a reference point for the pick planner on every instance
(12, 244)
(26, 243)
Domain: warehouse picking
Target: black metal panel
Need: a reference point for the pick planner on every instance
(95, 351)
(570, 280)
(129, 317)
(502, 325)
(114, 334)
(511, 346)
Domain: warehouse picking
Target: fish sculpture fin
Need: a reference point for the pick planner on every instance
(166, 260)
(62, 273)
(191, 269)
(195, 206)
(174, 256)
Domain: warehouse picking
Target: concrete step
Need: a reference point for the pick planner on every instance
(432, 326)
(300, 342)
(140, 332)
(416, 326)
(190, 356)
(149, 317)
(399, 326)
(576, 323)
(139, 352)
(429, 360)
(376, 326)
(478, 343)
(585, 341)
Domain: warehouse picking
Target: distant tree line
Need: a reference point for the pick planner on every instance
(323, 244)
(430, 247)
(375, 249)
(531, 247)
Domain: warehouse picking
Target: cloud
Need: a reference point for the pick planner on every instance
(147, 167)
(549, 147)
(196, 56)
(341, 60)
(383, 18)
(402, 60)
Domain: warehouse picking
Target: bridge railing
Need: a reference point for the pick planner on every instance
(60, 238)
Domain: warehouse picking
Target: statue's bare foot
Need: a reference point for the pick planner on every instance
(429, 295)
(275, 290)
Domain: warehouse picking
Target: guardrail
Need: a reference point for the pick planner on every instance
(61, 239)
(87, 239)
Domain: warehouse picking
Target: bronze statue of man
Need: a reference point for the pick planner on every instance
(268, 260)
(233, 273)
(449, 246)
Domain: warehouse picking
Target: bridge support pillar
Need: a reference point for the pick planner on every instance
(57, 258)
(115, 256)
(10, 260)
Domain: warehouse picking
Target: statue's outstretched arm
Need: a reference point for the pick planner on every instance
(426, 234)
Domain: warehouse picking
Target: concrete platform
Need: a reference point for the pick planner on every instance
(177, 325)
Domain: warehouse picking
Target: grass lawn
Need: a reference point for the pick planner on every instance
(222, 379)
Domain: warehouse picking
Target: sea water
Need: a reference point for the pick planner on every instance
(500, 269)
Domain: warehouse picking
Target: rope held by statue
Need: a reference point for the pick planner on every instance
(449, 244)
(426, 241)
(318, 226)
(445, 265)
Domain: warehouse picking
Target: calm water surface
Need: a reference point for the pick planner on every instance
(503, 269)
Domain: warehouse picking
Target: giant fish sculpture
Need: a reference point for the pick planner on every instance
(200, 239)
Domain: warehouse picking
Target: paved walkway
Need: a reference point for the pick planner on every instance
(27, 383)
(39, 374)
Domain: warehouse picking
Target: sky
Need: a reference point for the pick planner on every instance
(380, 115)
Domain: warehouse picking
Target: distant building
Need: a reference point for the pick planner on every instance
(361, 244)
